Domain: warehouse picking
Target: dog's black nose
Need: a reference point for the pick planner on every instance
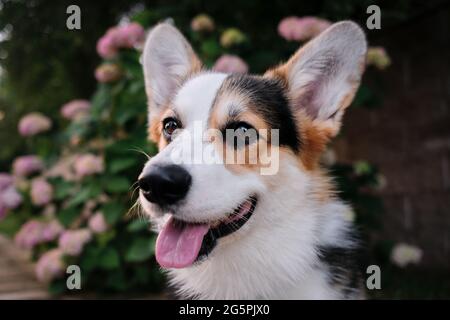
(165, 185)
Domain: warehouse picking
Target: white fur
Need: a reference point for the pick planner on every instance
(167, 58)
(328, 69)
(273, 255)
(193, 101)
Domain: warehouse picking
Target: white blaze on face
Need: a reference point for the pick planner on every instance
(194, 100)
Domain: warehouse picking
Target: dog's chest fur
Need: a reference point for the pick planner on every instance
(299, 248)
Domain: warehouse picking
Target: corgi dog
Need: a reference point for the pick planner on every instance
(227, 229)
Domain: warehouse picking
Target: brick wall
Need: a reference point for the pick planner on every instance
(409, 136)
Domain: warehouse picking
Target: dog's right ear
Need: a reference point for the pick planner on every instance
(167, 59)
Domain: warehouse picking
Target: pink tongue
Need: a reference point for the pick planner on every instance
(178, 247)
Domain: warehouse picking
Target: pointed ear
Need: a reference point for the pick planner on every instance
(167, 59)
(323, 76)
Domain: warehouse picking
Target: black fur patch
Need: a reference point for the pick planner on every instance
(269, 100)
(343, 265)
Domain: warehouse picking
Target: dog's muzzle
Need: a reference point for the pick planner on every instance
(165, 185)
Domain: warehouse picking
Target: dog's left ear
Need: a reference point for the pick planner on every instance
(167, 59)
(322, 77)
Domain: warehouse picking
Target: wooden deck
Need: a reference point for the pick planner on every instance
(17, 280)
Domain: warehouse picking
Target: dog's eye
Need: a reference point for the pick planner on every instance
(240, 133)
(169, 127)
(239, 127)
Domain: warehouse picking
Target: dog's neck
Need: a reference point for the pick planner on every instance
(278, 255)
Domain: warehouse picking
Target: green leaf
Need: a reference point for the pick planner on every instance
(116, 184)
(90, 191)
(101, 100)
(67, 216)
(120, 164)
(63, 189)
(210, 48)
(89, 259)
(138, 225)
(105, 237)
(141, 249)
(117, 280)
(109, 259)
(57, 287)
(112, 212)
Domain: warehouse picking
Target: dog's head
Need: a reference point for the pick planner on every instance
(229, 143)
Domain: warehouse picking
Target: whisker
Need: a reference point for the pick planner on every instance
(134, 184)
(141, 152)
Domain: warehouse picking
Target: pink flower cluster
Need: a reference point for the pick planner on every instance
(72, 242)
(35, 232)
(63, 168)
(75, 109)
(5, 180)
(41, 192)
(228, 63)
(97, 223)
(88, 164)
(301, 29)
(108, 72)
(50, 265)
(9, 197)
(33, 123)
(126, 36)
(26, 165)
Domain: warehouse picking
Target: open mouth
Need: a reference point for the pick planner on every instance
(182, 243)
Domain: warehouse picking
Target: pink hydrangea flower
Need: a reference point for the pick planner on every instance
(10, 198)
(97, 223)
(50, 266)
(34, 123)
(64, 168)
(75, 109)
(228, 63)
(125, 36)
(71, 242)
(106, 47)
(129, 35)
(35, 232)
(30, 234)
(41, 192)
(301, 29)
(52, 230)
(5, 180)
(108, 72)
(26, 165)
(88, 164)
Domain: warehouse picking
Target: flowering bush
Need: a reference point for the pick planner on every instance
(73, 203)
